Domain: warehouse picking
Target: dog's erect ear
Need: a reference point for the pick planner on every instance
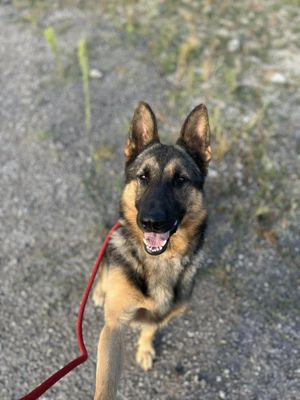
(142, 132)
(195, 135)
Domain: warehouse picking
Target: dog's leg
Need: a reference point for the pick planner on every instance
(145, 352)
(122, 301)
(100, 289)
(177, 311)
(109, 362)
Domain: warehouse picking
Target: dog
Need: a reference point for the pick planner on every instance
(148, 275)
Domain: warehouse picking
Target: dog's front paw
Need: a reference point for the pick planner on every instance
(145, 356)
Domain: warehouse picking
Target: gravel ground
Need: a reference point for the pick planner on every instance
(59, 194)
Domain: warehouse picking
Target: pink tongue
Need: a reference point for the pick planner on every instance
(156, 239)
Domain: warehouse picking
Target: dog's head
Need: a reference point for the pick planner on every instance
(162, 200)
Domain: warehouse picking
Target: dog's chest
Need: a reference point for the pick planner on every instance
(162, 279)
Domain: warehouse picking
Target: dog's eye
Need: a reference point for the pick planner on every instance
(143, 178)
(180, 180)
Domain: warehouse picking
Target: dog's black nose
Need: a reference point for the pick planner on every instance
(154, 222)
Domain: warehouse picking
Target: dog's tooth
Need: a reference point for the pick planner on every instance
(155, 249)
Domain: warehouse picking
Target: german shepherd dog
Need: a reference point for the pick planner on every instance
(148, 275)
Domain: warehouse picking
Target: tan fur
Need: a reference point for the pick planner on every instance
(145, 352)
(129, 149)
(177, 311)
(130, 210)
(122, 300)
(197, 122)
(100, 289)
(194, 217)
(170, 168)
(151, 163)
(204, 131)
(109, 362)
(142, 131)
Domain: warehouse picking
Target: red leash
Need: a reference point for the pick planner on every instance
(44, 386)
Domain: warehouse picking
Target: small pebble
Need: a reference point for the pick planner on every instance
(203, 383)
(233, 45)
(226, 372)
(228, 268)
(277, 77)
(222, 395)
(95, 74)
(213, 173)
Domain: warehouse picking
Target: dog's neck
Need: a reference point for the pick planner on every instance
(167, 280)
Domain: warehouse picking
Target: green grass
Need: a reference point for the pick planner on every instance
(51, 39)
(47, 135)
(83, 61)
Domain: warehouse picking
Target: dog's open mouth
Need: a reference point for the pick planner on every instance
(156, 243)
